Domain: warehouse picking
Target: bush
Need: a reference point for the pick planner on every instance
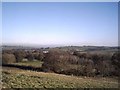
(59, 61)
(79, 63)
(116, 62)
(88, 66)
(80, 55)
(30, 56)
(66, 63)
(8, 58)
(19, 54)
(39, 55)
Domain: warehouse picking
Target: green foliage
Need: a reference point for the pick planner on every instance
(30, 63)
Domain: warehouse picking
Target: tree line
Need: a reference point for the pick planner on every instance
(63, 62)
(12, 56)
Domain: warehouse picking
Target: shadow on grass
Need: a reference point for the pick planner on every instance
(23, 67)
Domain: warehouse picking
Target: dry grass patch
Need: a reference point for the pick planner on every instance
(18, 78)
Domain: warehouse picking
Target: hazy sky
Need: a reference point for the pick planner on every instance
(60, 23)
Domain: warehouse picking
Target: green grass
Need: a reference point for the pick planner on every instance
(18, 78)
(30, 63)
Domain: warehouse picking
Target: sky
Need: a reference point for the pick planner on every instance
(0, 25)
(77, 24)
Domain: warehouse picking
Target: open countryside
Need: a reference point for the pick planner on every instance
(57, 45)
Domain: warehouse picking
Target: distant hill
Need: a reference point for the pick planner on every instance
(7, 47)
(66, 48)
(88, 48)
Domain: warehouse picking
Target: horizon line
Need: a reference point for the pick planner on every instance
(55, 45)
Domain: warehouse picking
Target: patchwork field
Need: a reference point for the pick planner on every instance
(18, 78)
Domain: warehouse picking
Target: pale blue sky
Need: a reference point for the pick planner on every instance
(0, 24)
(60, 23)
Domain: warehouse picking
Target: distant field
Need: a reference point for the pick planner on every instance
(30, 63)
(107, 52)
(18, 78)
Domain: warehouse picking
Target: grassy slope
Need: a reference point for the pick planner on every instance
(17, 78)
(30, 63)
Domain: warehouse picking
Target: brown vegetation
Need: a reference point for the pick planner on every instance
(8, 58)
(65, 62)
(78, 63)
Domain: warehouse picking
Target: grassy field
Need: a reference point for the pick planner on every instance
(30, 63)
(18, 78)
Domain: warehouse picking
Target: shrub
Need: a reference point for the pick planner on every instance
(39, 55)
(66, 63)
(8, 58)
(116, 62)
(30, 56)
(80, 55)
(88, 66)
(79, 63)
(59, 61)
(19, 54)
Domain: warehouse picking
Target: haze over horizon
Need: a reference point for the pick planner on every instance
(66, 24)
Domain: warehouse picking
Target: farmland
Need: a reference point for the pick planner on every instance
(59, 45)
(63, 67)
(18, 78)
(29, 63)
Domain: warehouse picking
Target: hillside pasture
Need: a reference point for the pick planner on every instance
(18, 78)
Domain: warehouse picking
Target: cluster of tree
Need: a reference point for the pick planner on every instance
(8, 58)
(81, 63)
(116, 62)
(65, 62)
(11, 56)
(57, 61)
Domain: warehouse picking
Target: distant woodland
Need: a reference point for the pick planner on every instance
(90, 62)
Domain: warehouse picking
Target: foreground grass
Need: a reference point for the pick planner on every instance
(17, 78)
